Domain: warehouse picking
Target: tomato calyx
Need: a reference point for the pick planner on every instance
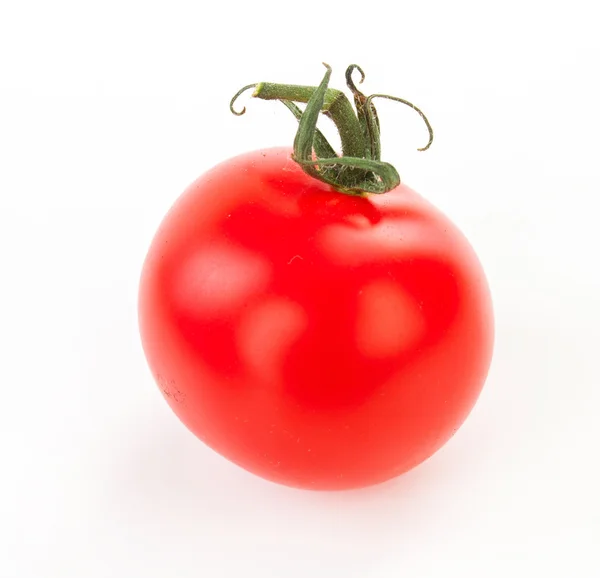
(359, 169)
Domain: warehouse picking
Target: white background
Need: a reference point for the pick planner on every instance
(109, 109)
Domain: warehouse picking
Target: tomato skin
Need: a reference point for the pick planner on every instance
(316, 339)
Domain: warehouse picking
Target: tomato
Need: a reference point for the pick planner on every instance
(316, 339)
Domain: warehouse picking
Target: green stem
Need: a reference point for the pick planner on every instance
(335, 105)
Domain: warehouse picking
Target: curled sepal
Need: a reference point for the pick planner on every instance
(303, 143)
(379, 177)
(321, 145)
(418, 110)
(236, 96)
(367, 115)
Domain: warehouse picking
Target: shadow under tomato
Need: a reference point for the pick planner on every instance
(166, 478)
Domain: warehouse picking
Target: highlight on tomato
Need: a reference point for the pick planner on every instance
(308, 316)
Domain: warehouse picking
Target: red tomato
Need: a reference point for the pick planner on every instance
(317, 339)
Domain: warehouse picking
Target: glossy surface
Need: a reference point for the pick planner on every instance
(316, 339)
